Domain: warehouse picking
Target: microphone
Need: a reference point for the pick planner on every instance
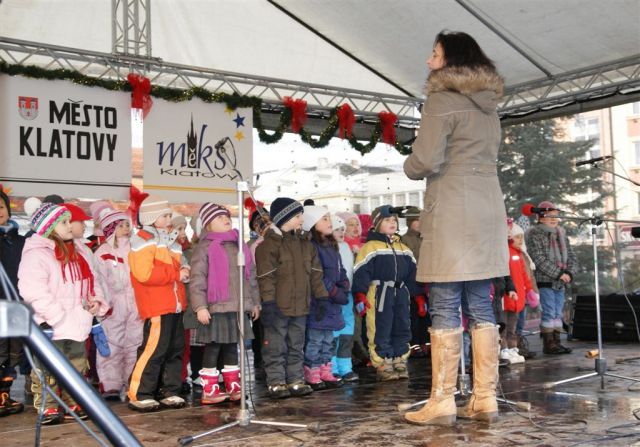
(594, 160)
(220, 144)
(529, 210)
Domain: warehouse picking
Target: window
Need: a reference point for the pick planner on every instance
(414, 199)
(593, 127)
(636, 150)
(636, 108)
(594, 152)
(400, 199)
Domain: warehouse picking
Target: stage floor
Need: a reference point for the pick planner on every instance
(364, 414)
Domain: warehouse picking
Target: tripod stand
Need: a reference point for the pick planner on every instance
(244, 416)
(600, 361)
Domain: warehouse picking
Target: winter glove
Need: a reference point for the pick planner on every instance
(533, 299)
(321, 308)
(344, 284)
(362, 304)
(421, 302)
(48, 330)
(100, 339)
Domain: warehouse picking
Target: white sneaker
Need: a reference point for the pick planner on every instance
(516, 357)
(505, 354)
(173, 402)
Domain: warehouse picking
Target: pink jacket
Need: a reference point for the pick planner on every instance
(112, 265)
(53, 300)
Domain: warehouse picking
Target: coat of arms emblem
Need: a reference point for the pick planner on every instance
(28, 107)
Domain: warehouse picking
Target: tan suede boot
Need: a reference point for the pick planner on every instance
(485, 344)
(445, 356)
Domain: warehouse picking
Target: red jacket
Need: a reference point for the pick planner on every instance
(520, 278)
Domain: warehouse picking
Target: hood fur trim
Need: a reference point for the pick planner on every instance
(465, 80)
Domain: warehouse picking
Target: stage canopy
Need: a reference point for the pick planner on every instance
(556, 56)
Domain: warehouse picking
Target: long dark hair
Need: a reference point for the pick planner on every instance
(461, 50)
(321, 239)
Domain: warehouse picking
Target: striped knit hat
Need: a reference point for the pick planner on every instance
(210, 211)
(152, 208)
(46, 217)
(109, 220)
(283, 209)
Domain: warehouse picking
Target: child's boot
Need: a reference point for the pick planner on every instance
(400, 367)
(312, 377)
(326, 375)
(7, 405)
(232, 385)
(211, 393)
(385, 372)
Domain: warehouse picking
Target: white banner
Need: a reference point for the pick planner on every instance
(181, 160)
(61, 138)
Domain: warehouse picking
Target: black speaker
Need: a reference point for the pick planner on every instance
(616, 318)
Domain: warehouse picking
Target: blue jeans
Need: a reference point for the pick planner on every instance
(552, 303)
(445, 299)
(522, 316)
(319, 347)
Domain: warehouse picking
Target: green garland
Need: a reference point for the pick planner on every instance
(233, 101)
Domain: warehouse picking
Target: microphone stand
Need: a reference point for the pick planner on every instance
(600, 361)
(244, 417)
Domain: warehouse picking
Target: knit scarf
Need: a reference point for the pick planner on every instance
(218, 277)
(10, 225)
(557, 245)
(79, 269)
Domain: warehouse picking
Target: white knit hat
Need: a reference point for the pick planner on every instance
(337, 222)
(312, 214)
(152, 208)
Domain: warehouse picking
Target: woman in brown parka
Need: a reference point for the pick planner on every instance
(463, 222)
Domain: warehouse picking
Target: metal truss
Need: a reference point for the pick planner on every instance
(590, 84)
(131, 27)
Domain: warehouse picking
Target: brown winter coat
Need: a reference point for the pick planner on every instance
(412, 240)
(464, 223)
(199, 275)
(289, 272)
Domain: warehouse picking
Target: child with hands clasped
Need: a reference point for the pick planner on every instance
(157, 275)
(289, 274)
(214, 295)
(325, 313)
(123, 327)
(57, 280)
(384, 280)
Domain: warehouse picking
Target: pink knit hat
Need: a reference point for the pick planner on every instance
(109, 219)
(46, 217)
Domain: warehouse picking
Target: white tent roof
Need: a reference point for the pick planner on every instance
(374, 45)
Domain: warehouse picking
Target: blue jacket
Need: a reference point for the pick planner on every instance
(383, 260)
(326, 314)
(11, 245)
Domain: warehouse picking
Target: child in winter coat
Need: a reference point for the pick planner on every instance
(11, 245)
(353, 231)
(343, 339)
(513, 304)
(556, 264)
(325, 314)
(57, 280)
(289, 273)
(157, 276)
(214, 295)
(123, 327)
(384, 280)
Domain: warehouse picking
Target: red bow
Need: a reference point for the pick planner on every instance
(298, 109)
(136, 197)
(346, 120)
(141, 88)
(252, 206)
(387, 123)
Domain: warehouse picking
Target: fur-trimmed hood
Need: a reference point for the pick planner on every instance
(483, 86)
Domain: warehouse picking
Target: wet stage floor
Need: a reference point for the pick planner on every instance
(365, 414)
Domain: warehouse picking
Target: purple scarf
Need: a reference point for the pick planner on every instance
(218, 277)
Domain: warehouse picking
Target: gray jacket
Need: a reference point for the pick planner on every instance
(198, 283)
(539, 248)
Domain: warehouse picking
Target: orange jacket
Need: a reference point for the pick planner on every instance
(155, 273)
